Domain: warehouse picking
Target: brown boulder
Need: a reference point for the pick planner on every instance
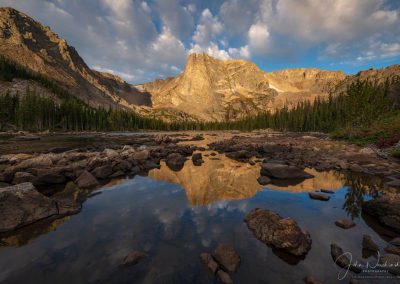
(86, 180)
(345, 223)
(22, 204)
(273, 230)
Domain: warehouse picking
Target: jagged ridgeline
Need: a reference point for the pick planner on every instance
(30, 110)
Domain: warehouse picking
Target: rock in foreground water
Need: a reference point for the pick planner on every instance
(386, 208)
(273, 230)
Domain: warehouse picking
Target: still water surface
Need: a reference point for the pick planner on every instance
(175, 216)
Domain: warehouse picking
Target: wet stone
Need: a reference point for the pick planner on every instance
(345, 223)
(319, 196)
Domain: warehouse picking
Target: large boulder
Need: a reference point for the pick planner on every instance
(22, 204)
(273, 230)
(175, 161)
(386, 209)
(282, 171)
(86, 180)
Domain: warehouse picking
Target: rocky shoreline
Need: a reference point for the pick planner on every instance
(281, 156)
(55, 183)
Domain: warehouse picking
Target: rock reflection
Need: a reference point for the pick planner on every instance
(25, 235)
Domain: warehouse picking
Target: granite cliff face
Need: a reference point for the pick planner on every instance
(37, 48)
(213, 89)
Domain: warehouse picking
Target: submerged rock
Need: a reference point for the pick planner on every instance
(282, 171)
(86, 180)
(273, 230)
(134, 258)
(345, 223)
(208, 260)
(319, 196)
(22, 204)
(386, 209)
(342, 259)
(175, 161)
(227, 257)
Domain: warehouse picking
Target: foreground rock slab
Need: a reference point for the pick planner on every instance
(282, 171)
(386, 209)
(227, 257)
(273, 230)
(22, 204)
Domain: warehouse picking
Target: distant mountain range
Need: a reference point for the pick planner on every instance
(207, 89)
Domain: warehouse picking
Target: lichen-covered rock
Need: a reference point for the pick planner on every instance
(282, 233)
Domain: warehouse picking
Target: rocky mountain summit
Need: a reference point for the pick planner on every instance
(38, 49)
(213, 89)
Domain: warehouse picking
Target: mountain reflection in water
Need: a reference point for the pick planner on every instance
(225, 179)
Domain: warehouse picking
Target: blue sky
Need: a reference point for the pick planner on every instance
(142, 40)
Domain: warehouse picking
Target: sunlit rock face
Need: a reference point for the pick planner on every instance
(226, 179)
(213, 89)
